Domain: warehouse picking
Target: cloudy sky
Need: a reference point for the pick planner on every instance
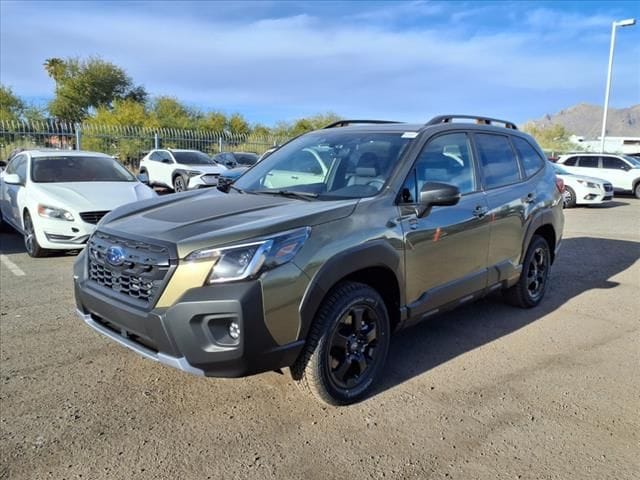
(281, 60)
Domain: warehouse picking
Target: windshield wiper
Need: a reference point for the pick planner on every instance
(289, 193)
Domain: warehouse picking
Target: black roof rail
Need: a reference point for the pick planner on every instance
(481, 120)
(344, 123)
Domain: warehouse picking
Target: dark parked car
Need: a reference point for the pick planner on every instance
(324, 249)
(236, 159)
(231, 175)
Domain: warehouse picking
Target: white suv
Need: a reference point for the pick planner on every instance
(180, 169)
(622, 171)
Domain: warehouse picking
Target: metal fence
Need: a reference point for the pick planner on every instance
(127, 143)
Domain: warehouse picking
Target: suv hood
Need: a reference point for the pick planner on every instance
(210, 218)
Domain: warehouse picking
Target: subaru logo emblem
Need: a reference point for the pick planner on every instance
(115, 256)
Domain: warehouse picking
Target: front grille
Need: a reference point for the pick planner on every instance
(608, 187)
(141, 274)
(93, 217)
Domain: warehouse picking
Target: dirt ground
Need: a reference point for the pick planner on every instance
(487, 391)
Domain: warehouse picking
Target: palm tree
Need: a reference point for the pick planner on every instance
(55, 68)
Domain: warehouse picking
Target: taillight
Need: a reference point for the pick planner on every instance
(560, 184)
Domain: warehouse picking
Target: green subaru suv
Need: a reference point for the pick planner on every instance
(317, 254)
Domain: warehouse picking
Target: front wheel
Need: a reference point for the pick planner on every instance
(532, 285)
(636, 190)
(347, 345)
(568, 197)
(179, 184)
(30, 241)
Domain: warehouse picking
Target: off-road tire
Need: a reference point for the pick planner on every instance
(520, 295)
(312, 370)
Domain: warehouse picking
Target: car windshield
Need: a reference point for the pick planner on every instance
(62, 169)
(632, 160)
(560, 170)
(328, 165)
(246, 159)
(192, 158)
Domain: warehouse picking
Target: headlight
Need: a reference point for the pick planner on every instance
(53, 212)
(193, 173)
(588, 184)
(247, 260)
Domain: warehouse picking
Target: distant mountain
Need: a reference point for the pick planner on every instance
(586, 120)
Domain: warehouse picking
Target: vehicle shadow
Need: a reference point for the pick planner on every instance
(611, 204)
(418, 349)
(12, 242)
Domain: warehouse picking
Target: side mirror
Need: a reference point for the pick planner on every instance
(437, 194)
(12, 179)
(143, 178)
(168, 161)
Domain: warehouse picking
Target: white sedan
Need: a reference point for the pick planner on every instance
(581, 190)
(56, 198)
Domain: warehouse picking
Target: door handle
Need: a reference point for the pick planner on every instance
(529, 198)
(480, 211)
(294, 177)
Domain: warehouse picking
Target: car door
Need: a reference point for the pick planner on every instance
(446, 249)
(588, 166)
(511, 198)
(12, 194)
(616, 172)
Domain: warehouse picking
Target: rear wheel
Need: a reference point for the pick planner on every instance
(30, 241)
(532, 285)
(347, 346)
(569, 197)
(179, 184)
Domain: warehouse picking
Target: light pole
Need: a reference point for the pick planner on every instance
(622, 23)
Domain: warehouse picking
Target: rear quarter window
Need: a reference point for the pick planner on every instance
(531, 160)
(570, 162)
(497, 160)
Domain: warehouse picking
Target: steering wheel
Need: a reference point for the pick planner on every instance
(377, 184)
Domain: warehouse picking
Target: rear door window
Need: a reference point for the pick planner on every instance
(497, 160)
(571, 161)
(589, 162)
(530, 158)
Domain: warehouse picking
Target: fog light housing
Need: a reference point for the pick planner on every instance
(234, 330)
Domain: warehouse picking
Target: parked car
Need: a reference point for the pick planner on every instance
(236, 159)
(581, 190)
(232, 174)
(622, 171)
(314, 270)
(56, 198)
(180, 169)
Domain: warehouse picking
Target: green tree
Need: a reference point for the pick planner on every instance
(82, 86)
(553, 137)
(168, 112)
(238, 125)
(11, 106)
(213, 121)
(56, 69)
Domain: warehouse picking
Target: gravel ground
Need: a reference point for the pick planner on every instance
(487, 391)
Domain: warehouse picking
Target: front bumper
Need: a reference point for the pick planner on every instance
(203, 181)
(192, 335)
(589, 196)
(62, 235)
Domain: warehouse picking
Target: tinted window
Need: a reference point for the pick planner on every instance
(247, 159)
(613, 163)
(591, 162)
(570, 162)
(498, 162)
(531, 160)
(445, 159)
(155, 156)
(78, 169)
(192, 158)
